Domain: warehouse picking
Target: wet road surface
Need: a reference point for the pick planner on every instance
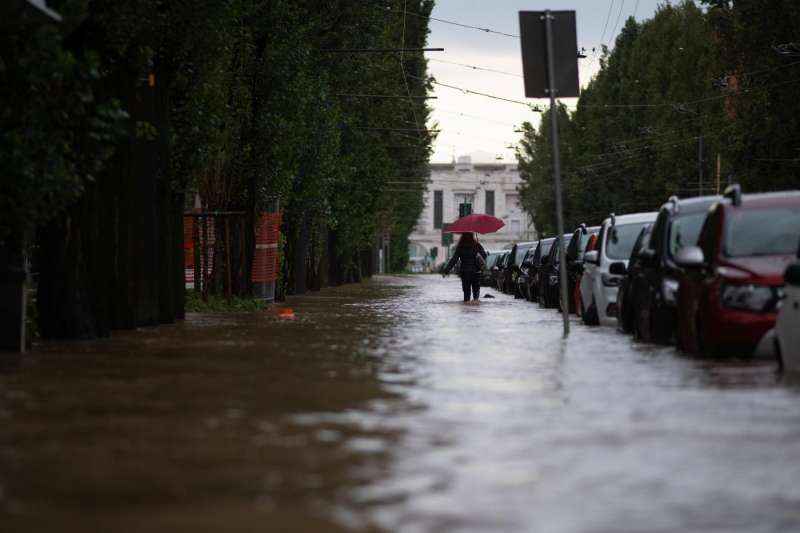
(391, 406)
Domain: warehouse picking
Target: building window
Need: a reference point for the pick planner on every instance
(489, 203)
(515, 226)
(512, 202)
(438, 214)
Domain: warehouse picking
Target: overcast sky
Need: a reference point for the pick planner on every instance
(484, 127)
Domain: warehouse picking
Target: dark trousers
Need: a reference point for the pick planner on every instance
(471, 282)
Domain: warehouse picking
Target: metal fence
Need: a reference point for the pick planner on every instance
(215, 252)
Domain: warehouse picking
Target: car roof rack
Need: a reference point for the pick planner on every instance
(674, 201)
(582, 227)
(613, 219)
(734, 194)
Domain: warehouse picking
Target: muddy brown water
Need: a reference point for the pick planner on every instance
(391, 406)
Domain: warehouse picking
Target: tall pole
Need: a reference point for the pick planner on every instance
(551, 90)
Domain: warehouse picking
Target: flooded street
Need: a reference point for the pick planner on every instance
(391, 406)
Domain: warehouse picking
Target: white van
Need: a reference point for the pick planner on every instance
(598, 285)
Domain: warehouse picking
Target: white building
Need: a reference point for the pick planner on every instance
(486, 188)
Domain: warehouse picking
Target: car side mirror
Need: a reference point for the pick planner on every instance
(617, 269)
(647, 255)
(690, 257)
(792, 275)
(592, 257)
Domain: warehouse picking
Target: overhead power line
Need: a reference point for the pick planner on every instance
(616, 24)
(397, 129)
(473, 67)
(608, 18)
(454, 23)
(401, 96)
(532, 107)
(380, 50)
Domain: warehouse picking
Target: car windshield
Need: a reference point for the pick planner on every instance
(752, 232)
(684, 231)
(621, 239)
(546, 248)
(520, 254)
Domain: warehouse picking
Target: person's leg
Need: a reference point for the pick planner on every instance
(465, 286)
(476, 286)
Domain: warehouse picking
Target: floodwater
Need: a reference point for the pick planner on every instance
(392, 406)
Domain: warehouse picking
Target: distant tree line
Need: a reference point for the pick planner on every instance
(111, 120)
(693, 96)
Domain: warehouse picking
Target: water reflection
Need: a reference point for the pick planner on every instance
(391, 405)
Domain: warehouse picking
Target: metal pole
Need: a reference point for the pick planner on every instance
(551, 83)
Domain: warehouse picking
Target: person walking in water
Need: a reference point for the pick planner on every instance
(473, 260)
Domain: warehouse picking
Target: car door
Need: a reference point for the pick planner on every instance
(694, 282)
(648, 282)
(590, 273)
(788, 318)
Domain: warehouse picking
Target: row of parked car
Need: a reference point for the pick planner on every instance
(715, 275)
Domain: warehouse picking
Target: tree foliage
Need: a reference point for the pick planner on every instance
(678, 93)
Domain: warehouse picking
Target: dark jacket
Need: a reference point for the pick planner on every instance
(468, 258)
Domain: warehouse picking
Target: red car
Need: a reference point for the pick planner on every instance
(733, 281)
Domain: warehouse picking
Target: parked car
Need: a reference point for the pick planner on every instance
(519, 251)
(541, 251)
(599, 285)
(577, 247)
(550, 275)
(678, 225)
(524, 275)
(487, 276)
(591, 244)
(631, 283)
(733, 278)
(498, 270)
(505, 276)
(787, 330)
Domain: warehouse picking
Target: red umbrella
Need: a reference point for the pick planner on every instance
(476, 224)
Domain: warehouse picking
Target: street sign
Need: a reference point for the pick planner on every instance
(534, 53)
(550, 62)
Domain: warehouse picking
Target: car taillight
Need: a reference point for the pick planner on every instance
(750, 297)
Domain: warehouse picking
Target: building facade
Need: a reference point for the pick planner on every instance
(462, 187)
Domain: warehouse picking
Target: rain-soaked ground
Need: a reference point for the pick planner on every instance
(392, 406)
